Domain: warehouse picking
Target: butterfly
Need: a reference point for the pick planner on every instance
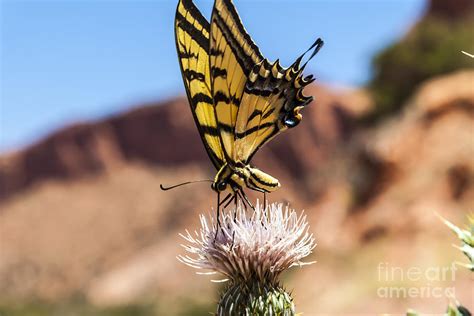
(239, 100)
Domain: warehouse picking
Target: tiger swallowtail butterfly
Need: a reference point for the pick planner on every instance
(239, 100)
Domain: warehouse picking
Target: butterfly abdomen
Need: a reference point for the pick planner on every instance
(261, 181)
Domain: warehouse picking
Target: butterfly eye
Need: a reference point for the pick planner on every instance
(221, 186)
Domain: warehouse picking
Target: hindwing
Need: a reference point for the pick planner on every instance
(272, 99)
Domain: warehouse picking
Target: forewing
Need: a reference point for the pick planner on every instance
(272, 99)
(192, 42)
(232, 57)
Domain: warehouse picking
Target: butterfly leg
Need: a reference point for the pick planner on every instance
(243, 204)
(264, 200)
(264, 206)
(225, 200)
(245, 198)
(234, 198)
(235, 218)
(218, 214)
(230, 200)
(235, 209)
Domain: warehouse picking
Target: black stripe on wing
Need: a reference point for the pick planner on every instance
(238, 22)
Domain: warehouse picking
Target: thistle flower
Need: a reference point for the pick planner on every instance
(251, 249)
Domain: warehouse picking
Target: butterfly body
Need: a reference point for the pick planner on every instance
(238, 175)
(239, 100)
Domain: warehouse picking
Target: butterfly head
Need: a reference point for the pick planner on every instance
(230, 176)
(222, 179)
(219, 186)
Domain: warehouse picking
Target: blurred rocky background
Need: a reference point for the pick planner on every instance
(86, 230)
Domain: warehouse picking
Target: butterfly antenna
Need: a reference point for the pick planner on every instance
(181, 184)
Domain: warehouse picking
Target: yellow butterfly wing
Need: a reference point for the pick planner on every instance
(233, 54)
(192, 32)
(272, 99)
(239, 100)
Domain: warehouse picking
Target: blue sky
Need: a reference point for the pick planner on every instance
(66, 61)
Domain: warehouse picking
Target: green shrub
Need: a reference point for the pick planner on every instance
(433, 47)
